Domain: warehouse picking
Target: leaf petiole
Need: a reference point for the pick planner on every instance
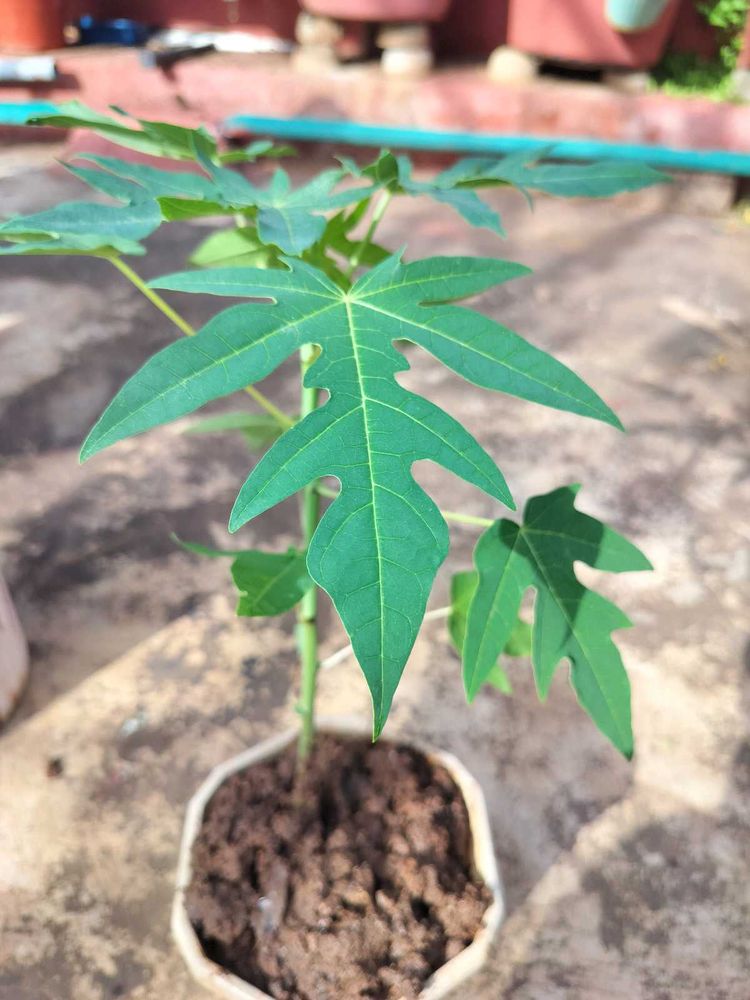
(281, 418)
(377, 215)
(458, 518)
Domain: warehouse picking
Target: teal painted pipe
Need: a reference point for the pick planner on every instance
(716, 161)
(634, 15)
(19, 114)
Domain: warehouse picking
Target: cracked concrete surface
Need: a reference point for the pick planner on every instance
(622, 880)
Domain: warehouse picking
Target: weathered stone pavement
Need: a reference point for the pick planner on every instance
(622, 880)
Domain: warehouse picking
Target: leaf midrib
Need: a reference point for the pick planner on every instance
(379, 555)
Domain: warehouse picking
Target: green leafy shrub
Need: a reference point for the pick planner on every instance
(688, 74)
(316, 283)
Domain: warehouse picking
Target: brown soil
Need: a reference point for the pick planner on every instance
(355, 883)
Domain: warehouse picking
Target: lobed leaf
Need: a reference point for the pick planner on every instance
(82, 227)
(380, 543)
(155, 182)
(453, 186)
(570, 621)
(239, 247)
(260, 149)
(463, 588)
(395, 174)
(269, 583)
(601, 179)
(152, 137)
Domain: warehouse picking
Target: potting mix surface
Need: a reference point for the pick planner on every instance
(355, 881)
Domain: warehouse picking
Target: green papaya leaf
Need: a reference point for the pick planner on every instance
(239, 247)
(118, 188)
(155, 182)
(82, 227)
(467, 203)
(498, 678)
(395, 174)
(522, 170)
(383, 170)
(570, 621)
(185, 209)
(269, 583)
(566, 180)
(155, 138)
(291, 219)
(260, 149)
(286, 217)
(463, 588)
(336, 237)
(519, 643)
(380, 543)
(258, 429)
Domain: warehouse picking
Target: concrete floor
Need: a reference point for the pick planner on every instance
(622, 880)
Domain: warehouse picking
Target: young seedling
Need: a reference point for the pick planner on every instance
(319, 285)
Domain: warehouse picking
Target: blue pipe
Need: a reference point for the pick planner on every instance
(18, 114)
(717, 161)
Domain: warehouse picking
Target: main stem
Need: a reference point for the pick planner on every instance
(182, 324)
(307, 612)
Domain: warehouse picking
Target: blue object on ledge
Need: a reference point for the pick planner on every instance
(634, 15)
(120, 31)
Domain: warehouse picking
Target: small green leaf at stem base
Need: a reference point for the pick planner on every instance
(269, 583)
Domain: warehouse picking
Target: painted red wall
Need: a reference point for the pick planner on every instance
(472, 28)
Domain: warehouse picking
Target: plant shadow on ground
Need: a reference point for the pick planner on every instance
(653, 902)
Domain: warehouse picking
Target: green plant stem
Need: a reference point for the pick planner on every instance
(326, 491)
(182, 324)
(377, 215)
(456, 518)
(307, 623)
(449, 515)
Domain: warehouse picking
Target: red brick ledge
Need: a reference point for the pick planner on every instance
(211, 88)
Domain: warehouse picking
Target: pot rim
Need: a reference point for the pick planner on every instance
(445, 979)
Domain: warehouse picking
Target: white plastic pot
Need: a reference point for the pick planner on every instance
(14, 655)
(447, 978)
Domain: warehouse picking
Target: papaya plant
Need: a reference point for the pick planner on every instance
(317, 284)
